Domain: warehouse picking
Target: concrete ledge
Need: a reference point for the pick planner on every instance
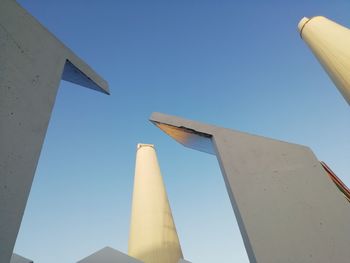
(19, 259)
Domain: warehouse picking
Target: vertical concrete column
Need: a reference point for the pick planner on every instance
(32, 64)
(330, 43)
(153, 237)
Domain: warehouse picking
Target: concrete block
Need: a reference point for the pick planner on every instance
(109, 255)
(286, 206)
(33, 61)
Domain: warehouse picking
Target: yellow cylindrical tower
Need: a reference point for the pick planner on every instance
(330, 43)
(153, 237)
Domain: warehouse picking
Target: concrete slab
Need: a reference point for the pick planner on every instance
(109, 255)
(33, 61)
(286, 206)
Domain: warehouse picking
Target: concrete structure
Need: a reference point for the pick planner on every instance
(287, 208)
(18, 259)
(183, 261)
(153, 237)
(32, 64)
(330, 43)
(108, 255)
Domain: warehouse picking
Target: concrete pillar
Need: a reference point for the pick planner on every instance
(153, 237)
(286, 206)
(330, 43)
(33, 61)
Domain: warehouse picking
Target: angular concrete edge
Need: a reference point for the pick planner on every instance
(183, 261)
(109, 255)
(19, 259)
(286, 206)
(195, 135)
(78, 72)
(81, 73)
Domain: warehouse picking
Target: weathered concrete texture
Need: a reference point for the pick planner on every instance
(32, 64)
(18, 259)
(330, 43)
(287, 207)
(153, 237)
(109, 255)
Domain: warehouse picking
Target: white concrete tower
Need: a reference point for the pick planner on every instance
(330, 43)
(153, 237)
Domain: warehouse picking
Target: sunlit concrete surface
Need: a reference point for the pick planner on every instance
(287, 208)
(153, 237)
(330, 43)
(19, 259)
(108, 255)
(33, 61)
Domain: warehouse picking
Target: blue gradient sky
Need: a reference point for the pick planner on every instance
(237, 64)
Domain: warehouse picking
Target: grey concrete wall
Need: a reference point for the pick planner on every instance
(109, 255)
(287, 208)
(32, 64)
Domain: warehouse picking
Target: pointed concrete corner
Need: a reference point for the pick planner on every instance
(183, 261)
(108, 255)
(78, 72)
(330, 43)
(191, 134)
(33, 61)
(286, 206)
(19, 259)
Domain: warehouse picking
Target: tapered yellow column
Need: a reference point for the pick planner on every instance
(153, 237)
(330, 43)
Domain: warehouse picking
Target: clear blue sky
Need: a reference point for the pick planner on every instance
(236, 64)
